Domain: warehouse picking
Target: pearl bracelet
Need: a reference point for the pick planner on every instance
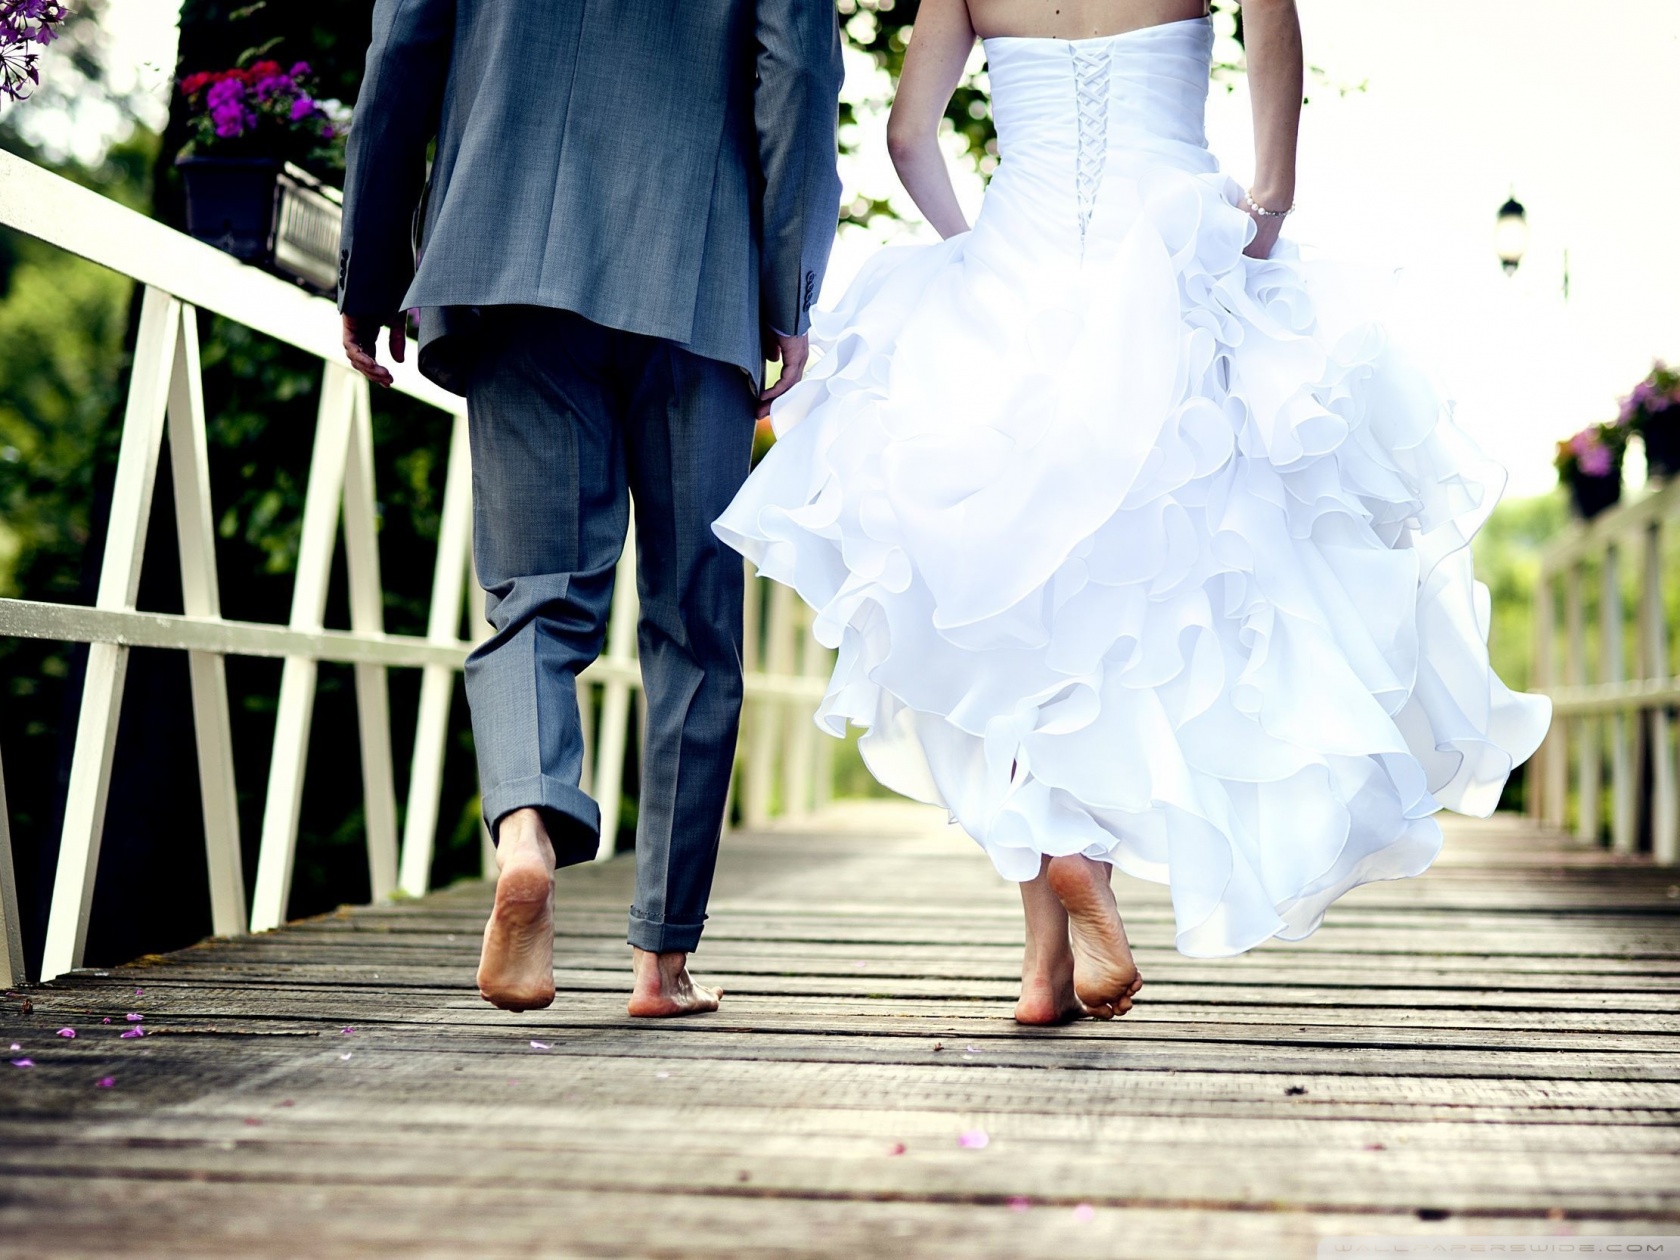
(1254, 207)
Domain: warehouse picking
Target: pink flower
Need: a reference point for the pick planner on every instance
(974, 1140)
(69, 1033)
(134, 1017)
(132, 1033)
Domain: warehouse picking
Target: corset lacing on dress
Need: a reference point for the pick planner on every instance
(1090, 78)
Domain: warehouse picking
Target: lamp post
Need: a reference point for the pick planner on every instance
(1510, 234)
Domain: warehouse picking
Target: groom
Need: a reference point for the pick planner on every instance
(630, 207)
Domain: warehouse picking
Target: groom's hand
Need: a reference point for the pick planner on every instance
(791, 353)
(361, 341)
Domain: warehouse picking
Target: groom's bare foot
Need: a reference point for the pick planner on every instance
(664, 987)
(516, 968)
(1105, 978)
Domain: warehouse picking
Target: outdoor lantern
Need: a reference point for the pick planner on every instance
(1510, 234)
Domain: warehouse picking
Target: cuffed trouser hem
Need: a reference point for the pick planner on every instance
(663, 938)
(572, 819)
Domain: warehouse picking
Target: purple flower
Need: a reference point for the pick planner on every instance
(274, 85)
(1596, 461)
(300, 71)
(303, 108)
(229, 122)
(225, 92)
(1584, 442)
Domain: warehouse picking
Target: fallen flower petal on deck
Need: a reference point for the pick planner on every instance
(974, 1140)
(67, 1032)
(1019, 1203)
(131, 1033)
(23, 1062)
(541, 1045)
(134, 1017)
(105, 1082)
(1084, 1212)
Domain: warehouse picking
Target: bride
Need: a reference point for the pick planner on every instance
(1131, 558)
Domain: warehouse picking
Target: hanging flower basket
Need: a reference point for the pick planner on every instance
(1590, 464)
(230, 203)
(1652, 410)
(243, 172)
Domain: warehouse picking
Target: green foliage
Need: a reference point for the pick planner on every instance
(1508, 559)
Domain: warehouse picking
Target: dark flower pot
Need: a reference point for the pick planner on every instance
(1662, 446)
(230, 203)
(1591, 495)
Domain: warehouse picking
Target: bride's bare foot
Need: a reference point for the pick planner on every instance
(1105, 978)
(664, 987)
(1047, 995)
(516, 967)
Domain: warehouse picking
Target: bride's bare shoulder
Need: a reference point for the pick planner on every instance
(1075, 19)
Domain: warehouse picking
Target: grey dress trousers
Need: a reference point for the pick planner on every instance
(626, 197)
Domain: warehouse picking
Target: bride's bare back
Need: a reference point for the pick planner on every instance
(1076, 19)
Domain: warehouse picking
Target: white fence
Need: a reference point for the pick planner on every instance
(1604, 719)
(179, 275)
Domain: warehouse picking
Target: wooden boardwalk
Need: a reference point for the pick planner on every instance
(1493, 1048)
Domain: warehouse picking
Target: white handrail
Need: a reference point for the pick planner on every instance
(165, 395)
(1608, 721)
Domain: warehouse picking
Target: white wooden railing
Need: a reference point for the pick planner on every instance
(785, 766)
(1608, 717)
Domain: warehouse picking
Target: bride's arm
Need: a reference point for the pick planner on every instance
(933, 66)
(1272, 32)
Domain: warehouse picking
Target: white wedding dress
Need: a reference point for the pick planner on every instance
(1124, 551)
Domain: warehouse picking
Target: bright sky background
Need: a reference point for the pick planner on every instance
(1574, 106)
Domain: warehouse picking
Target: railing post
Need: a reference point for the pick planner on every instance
(766, 731)
(1538, 796)
(11, 927)
(437, 682)
(107, 664)
(1611, 629)
(367, 617)
(615, 698)
(1665, 818)
(297, 679)
(1586, 726)
(201, 597)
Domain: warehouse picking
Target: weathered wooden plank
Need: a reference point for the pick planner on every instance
(1502, 1043)
(213, 1219)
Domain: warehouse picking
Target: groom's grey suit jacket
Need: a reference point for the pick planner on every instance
(664, 167)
